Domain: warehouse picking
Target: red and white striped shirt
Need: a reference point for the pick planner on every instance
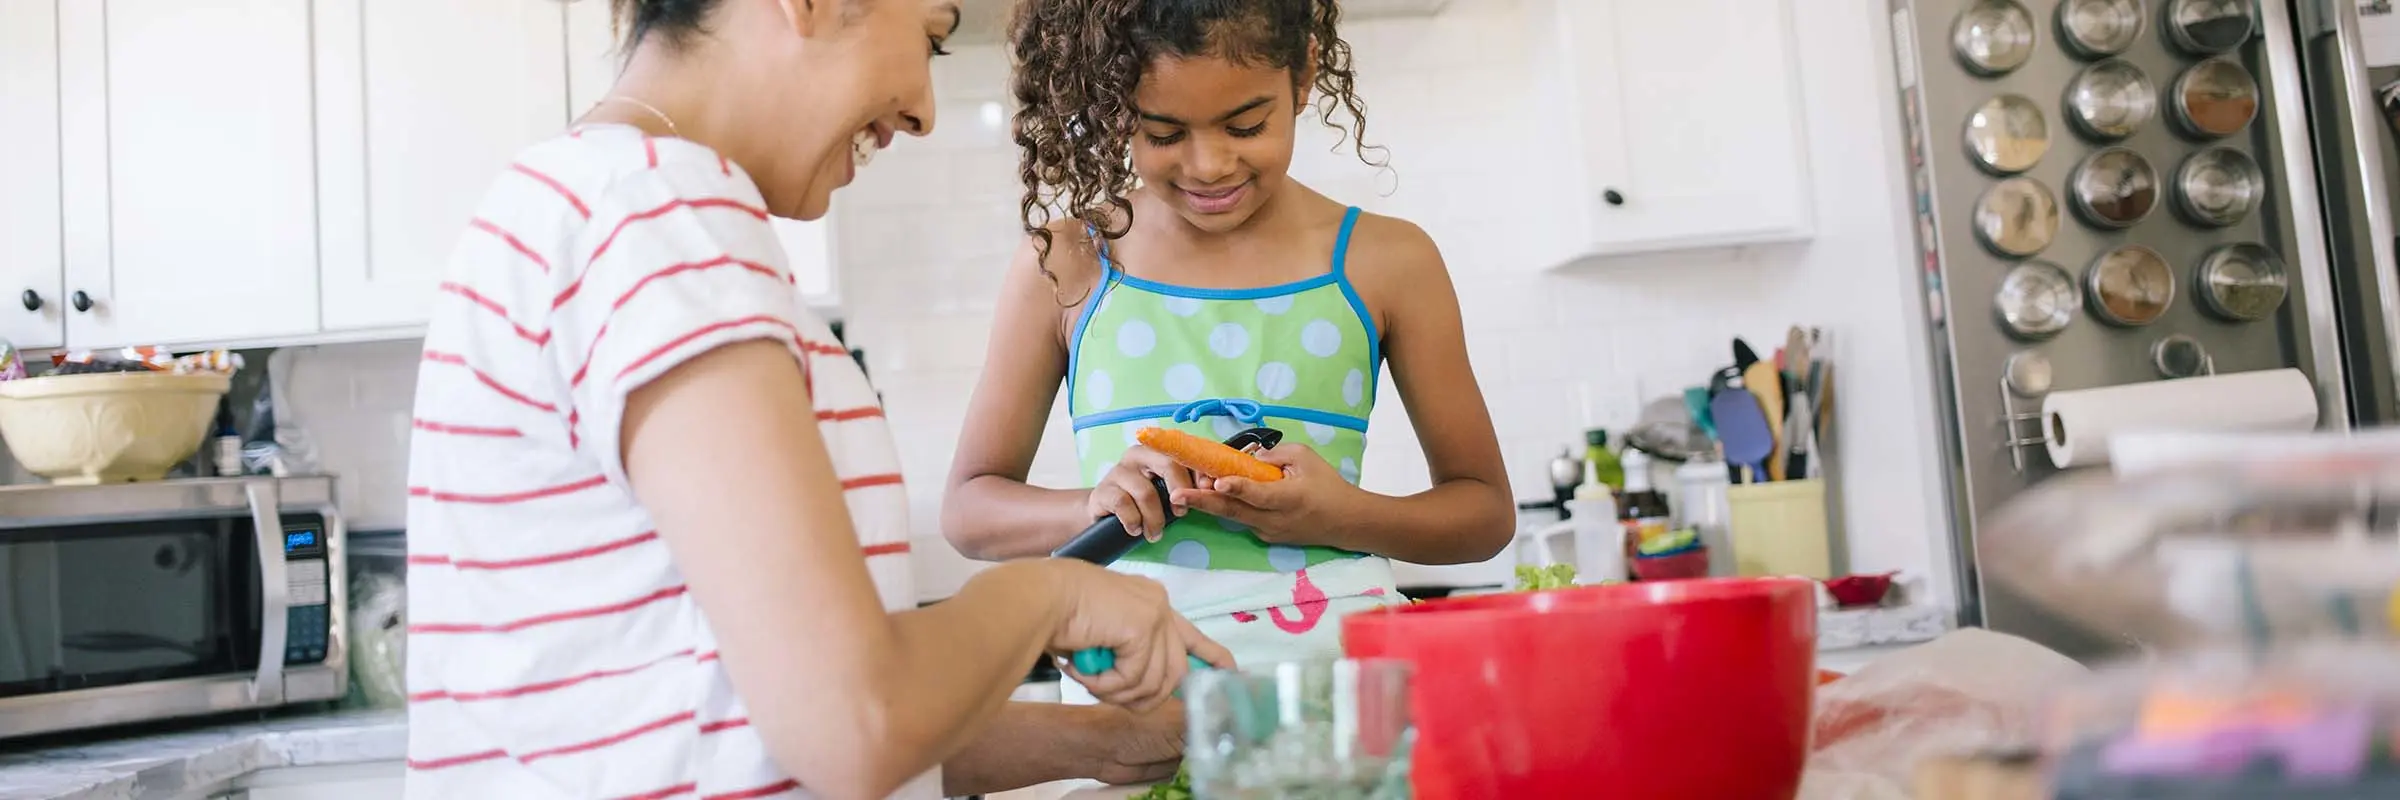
(554, 651)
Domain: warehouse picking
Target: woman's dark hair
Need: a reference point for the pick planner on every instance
(1077, 63)
(675, 20)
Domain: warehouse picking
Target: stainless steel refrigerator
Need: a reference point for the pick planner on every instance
(2116, 191)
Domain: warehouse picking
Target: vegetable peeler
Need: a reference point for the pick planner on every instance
(1106, 541)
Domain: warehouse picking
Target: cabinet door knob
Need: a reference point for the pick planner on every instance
(32, 300)
(1612, 197)
(83, 302)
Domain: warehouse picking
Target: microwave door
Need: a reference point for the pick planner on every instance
(96, 606)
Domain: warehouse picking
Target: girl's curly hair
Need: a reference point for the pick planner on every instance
(1077, 63)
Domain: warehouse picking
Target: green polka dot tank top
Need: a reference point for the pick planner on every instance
(1301, 357)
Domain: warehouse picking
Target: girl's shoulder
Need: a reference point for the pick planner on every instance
(1390, 249)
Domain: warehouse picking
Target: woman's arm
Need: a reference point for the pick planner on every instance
(1468, 515)
(725, 453)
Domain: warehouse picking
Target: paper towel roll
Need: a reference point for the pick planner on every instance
(2076, 425)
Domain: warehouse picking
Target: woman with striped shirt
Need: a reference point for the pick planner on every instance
(657, 537)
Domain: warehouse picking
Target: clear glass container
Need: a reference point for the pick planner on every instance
(2215, 98)
(1312, 730)
(2241, 282)
(2209, 27)
(2099, 28)
(1993, 37)
(2007, 135)
(2017, 217)
(2037, 299)
(2130, 285)
(2111, 100)
(2218, 187)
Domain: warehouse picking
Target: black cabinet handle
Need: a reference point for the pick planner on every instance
(1612, 197)
(32, 300)
(83, 302)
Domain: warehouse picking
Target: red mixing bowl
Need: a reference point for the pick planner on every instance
(1679, 690)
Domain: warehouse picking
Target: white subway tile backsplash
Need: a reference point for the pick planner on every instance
(926, 232)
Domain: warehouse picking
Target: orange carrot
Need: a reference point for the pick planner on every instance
(1207, 457)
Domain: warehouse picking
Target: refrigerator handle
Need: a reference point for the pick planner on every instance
(2339, 20)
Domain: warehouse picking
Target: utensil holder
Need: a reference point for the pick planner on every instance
(1778, 529)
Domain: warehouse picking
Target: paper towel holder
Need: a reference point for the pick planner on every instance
(2027, 374)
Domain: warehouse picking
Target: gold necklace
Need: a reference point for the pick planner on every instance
(661, 115)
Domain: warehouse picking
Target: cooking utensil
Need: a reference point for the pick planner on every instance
(1800, 427)
(1743, 356)
(1766, 385)
(1107, 540)
(1797, 356)
(1742, 427)
(1824, 403)
(1700, 674)
(1695, 400)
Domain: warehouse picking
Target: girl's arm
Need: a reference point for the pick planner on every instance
(850, 700)
(990, 512)
(1468, 515)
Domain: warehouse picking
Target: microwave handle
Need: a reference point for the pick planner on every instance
(274, 590)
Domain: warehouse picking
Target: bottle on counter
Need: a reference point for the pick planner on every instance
(1641, 508)
(1601, 465)
(225, 443)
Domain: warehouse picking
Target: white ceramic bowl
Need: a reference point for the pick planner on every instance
(108, 427)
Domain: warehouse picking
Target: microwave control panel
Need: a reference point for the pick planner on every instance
(308, 622)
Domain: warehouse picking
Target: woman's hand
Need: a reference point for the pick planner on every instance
(1298, 510)
(1141, 747)
(1130, 615)
(1126, 492)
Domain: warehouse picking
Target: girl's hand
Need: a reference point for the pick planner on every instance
(1130, 615)
(1126, 492)
(1298, 510)
(1139, 747)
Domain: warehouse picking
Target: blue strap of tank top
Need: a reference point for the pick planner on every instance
(1341, 241)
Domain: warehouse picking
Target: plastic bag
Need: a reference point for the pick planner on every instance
(379, 639)
(1969, 690)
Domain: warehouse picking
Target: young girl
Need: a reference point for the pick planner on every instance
(1195, 285)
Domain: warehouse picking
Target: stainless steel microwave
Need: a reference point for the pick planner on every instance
(148, 601)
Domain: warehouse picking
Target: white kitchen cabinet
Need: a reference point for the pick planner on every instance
(420, 106)
(1682, 125)
(30, 260)
(188, 195)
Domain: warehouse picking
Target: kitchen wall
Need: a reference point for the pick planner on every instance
(926, 232)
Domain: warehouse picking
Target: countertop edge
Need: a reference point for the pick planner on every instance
(172, 764)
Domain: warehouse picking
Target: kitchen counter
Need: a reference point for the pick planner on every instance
(187, 759)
